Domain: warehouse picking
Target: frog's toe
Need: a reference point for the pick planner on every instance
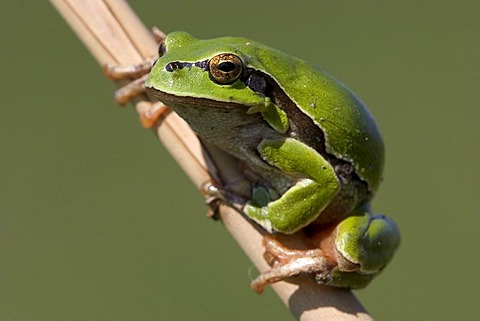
(287, 263)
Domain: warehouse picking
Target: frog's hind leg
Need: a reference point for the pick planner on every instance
(288, 263)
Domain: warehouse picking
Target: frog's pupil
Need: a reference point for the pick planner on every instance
(226, 66)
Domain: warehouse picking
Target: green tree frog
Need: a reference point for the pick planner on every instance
(314, 148)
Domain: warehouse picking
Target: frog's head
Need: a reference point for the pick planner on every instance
(214, 69)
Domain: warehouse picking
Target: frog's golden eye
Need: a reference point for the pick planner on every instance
(225, 68)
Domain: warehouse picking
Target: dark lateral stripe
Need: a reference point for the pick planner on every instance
(172, 66)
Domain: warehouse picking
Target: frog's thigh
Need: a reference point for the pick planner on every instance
(304, 201)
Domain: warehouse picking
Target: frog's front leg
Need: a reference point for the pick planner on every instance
(348, 255)
(315, 187)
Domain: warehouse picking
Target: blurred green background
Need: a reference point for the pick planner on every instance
(97, 222)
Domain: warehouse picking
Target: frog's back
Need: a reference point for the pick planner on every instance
(350, 131)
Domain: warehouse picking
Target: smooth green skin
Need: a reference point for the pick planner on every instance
(350, 134)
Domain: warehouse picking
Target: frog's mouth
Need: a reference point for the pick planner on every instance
(174, 100)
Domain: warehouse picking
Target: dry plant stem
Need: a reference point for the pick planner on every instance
(115, 35)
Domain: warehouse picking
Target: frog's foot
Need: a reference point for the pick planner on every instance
(134, 71)
(287, 263)
(347, 255)
(138, 74)
(151, 113)
(215, 196)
